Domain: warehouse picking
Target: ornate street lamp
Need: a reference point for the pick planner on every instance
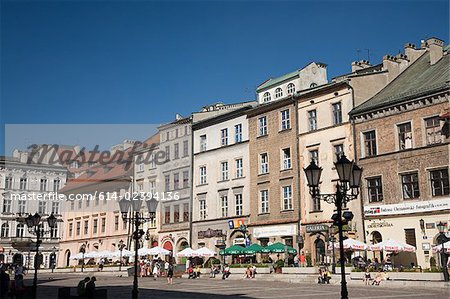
(131, 211)
(121, 247)
(347, 189)
(442, 238)
(36, 228)
(83, 251)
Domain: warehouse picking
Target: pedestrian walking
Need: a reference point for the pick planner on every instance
(81, 287)
(90, 288)
(303, 259)
(226, 272)
(170, 273)
(155, 271)
(4, 283)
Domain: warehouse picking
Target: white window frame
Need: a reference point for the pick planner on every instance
(224, 137)
(203, 145)
(224, 205)
(312, 120)
(238, 133)
(278, 93)
(264, 163)
(202, 209)
(202, 171)
(239, 168)
(262, 126)
(285, 119)
(224, 170)
(287, 197)
(264, 201)
(266, 97)
(239, 204)
(287, 159)
(291, 88)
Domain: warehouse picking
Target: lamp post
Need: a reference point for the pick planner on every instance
(121, 247)
(443, 238)
(332, 239)
(33, 223)
(83, 251)
(131, 211)
(347, 189)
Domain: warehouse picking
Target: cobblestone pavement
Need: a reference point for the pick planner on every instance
(120, 287)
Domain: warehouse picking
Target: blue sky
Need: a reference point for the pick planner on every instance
(140, 62)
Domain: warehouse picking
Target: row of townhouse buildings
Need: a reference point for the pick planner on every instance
(237, 169)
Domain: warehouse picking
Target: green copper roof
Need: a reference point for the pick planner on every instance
(420, 78)
(273, 81)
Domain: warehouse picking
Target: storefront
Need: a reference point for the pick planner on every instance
(413, 223)
(266, 235)
(174, 242)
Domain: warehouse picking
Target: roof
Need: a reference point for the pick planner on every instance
(420, 78)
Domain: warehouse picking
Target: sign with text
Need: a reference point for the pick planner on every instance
(408, 207)
(315, 228)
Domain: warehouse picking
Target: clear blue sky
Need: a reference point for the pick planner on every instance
(142, 61)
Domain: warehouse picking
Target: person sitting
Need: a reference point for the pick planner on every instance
(81, 287)
(327, 276)
(191, 273)
(90, 287)
(226, 272)
(366, 277)
(197, 271)
(253, 271)
(378, 278)
(248, 272)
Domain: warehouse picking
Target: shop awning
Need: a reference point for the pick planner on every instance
(253, 249)
(233, 250)
(279, 248)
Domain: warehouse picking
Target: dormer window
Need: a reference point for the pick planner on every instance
(291, 88)
(313, 85)
(266, 97)
(278, 93)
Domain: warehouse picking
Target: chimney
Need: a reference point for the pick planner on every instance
(178, 116)
(412, 53)
(436, 49)
(403, 60)
(391, 65)
(359, 65)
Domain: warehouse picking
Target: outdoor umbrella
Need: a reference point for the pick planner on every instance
(352, 244)
(279, 248)
(253, 249)
(105, 253)
(204, 252)
(446, 246)
(392, 246)
(92, 255)
(125, 253)
(158, 250)
(187, 252)
(143, 251)
(78, 256)
(233, 250)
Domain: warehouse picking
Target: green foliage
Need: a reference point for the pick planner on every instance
(432, 262)
(308, 261)
(279, 264)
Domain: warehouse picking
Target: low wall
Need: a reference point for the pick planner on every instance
(415, 276)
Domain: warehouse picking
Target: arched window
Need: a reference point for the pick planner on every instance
(313, 85)
(20, 230)
(320, 250)
(5, 230)
(266, 97)
(278, 93)
(291, 88)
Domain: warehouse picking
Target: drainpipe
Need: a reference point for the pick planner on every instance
(299, 226)
(191, 203)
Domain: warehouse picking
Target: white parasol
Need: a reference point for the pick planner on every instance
(187, 252)
(392, 246)
(204, 252)
(352, 244)
(446, 246)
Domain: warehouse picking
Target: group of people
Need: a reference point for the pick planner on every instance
(300, 260)
(12, 288)
(156, 268)
(379, 277)
(86, 287)
(250, 272)
(324, 276)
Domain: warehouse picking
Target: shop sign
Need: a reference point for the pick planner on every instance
(430, 225)
(316, 228)
(239, 241)
(275, 231)
(210, 233)
(408, 207)
(232, 224)
(379, 224)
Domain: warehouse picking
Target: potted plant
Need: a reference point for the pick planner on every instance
(278, 266)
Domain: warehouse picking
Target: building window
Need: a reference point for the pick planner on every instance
(167, 183)
(167, 215)
(404, 136)
(176, 181)
(22, 206)
(43, 185)
(124, 224)
(5, 230)
(140, 187)
(224, 137)
(287, 158)
(86, 227)
(54, 232)
(70, 229)
(410, 185)
(278, 93)
(439, 182)
(313, 85)
(262, 125)
(370, 143)
(152, 188)
(410, 237)
(176, 151)
(185, 148)
(95, 226)
(167, 151)
(116, 222)
(224, 205)
(23, 183)
(433, 130)
(314, 156)
(264, 198)
(167, 136)
(224, 171)
(264, 160)
(291, 88)
(202, 209)
(7, 205)
(287, 198)
(78, 232)
(266, 97)
(186, 179)
(56, 185)
(285, 120)
(20, 229)
(55, 207)
(203, 143)
(239, 168)
(140, 164)
(42, 207)
(185, 212)
(103, 225)
(8, 182)
(337, 113)
(312, 120)
(338, 151)
(186, 130)
(239, 204)
(176, 213)
(238, 133)
(375, 189)
(202, 175)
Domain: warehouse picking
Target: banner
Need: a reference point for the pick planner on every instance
(407, 207)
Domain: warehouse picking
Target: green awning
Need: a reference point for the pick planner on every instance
(279, 248)
(253, 249)
(235, 249)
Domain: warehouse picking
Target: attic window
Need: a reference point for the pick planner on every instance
(313, 85)
(266, 97)
(278, 93)
(291, 88)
